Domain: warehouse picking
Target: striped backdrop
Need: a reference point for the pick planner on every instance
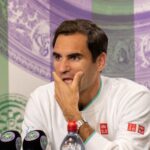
(26, 31)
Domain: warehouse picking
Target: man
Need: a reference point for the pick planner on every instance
(112, 113)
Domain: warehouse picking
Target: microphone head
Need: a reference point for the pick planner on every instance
(9, 140)
(35, 140)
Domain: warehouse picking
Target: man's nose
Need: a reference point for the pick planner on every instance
(64, 66)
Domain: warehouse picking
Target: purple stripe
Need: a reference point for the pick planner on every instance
(142, 16)
(73, 10)
(142, 47)
(33, 58)
(61, 10)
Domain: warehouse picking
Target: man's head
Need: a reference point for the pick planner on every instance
(97, 40)
(79, 45)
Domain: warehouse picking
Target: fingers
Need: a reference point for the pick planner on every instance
(56, 77)
(77, 79)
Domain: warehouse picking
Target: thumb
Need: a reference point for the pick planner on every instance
(77, 79)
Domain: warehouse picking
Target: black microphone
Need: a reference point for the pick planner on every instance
(35, 140)
(10, 140)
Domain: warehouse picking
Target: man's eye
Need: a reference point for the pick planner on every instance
(75, 57)
(56, 57)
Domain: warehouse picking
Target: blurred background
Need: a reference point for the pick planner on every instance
(26, 32)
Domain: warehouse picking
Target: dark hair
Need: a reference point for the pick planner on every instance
(97, 39)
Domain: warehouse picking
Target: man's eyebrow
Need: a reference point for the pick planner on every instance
(69, 55)
(56, 54)
(75, 54)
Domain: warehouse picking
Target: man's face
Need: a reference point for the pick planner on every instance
(71, 55)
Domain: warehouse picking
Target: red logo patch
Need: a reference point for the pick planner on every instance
(141, 129)
(103, 128)
(132, 127)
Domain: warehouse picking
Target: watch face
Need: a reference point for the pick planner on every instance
(80, 123)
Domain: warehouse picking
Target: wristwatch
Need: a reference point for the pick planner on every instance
(80, 123)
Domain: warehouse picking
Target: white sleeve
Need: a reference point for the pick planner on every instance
(135, 111)
(33, 117)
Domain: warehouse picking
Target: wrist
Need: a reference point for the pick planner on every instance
(85, 131)
(73, 117)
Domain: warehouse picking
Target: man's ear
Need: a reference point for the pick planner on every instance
(101, 61)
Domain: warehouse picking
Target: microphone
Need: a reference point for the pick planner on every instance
(10, 139)
(35, 140)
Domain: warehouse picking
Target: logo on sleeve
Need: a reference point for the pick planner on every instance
(141, 129)
(132, 127)
(103, 128)
(136, 128)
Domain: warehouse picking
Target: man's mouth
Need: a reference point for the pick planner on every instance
(68, 80)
